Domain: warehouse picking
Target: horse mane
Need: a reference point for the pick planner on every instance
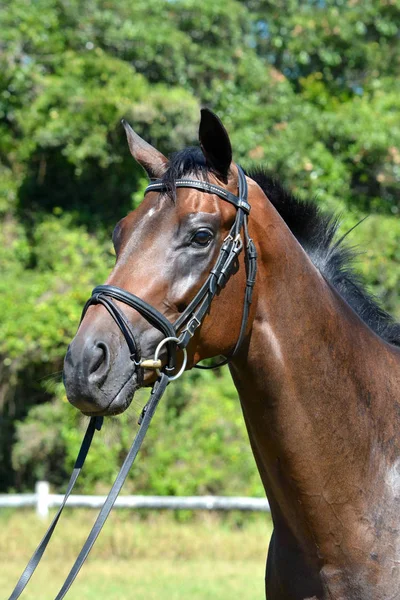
(315, 230)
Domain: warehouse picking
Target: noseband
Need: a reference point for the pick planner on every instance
(178, 334)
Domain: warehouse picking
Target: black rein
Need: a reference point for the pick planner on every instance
(176, 335)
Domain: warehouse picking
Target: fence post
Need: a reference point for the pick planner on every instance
(42, 490)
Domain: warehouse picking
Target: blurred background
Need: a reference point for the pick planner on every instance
(309, 89)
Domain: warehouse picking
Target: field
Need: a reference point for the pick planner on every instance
(142, 557)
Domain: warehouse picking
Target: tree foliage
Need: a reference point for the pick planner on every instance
(309, 89)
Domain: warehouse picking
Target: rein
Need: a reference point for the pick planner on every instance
(176, 336)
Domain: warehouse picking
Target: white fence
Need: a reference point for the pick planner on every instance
(42, 500)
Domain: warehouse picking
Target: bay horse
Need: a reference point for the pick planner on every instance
(317, 370)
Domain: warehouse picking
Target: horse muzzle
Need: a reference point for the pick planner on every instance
(99, 377)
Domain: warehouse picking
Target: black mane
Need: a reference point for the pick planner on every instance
(316, 232)
(189, 161)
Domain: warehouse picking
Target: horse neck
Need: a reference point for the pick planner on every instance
(304, 385)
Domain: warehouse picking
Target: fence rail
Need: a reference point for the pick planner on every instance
(42, 500)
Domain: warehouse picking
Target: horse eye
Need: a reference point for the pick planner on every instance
(202, 238)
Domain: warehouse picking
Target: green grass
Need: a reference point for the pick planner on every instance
(149, 558)
(147, 580)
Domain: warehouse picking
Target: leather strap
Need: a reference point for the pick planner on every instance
(147, 415)
(239, 201)
(152, 315)
(94, 423)
(192, 316)
(220, 274)
(121, 320)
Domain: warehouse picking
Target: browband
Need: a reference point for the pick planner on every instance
(158, 185)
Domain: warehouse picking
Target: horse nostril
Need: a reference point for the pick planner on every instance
(99, 364)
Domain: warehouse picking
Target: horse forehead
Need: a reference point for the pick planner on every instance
(158, 211)
(153, 211)
(190, 201)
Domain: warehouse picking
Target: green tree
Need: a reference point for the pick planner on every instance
(309, 89)
(350, 44)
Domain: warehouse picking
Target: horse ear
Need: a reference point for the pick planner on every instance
(215, 142)
(153, 162)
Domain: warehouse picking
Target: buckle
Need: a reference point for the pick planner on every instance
(192, 325)
(226, 243)
(237, 244)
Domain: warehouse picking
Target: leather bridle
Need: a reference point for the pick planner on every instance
(176, 335)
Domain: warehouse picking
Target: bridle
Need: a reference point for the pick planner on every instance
(176, 335)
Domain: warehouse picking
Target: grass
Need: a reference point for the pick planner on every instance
(145, 558)
(147, 580)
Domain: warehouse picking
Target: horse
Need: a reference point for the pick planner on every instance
(317, 368)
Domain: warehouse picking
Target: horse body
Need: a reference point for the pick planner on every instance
(319, 388)
(326, 389)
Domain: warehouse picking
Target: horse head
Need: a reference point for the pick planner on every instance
(182, 243)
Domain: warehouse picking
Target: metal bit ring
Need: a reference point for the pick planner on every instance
(183, 367)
